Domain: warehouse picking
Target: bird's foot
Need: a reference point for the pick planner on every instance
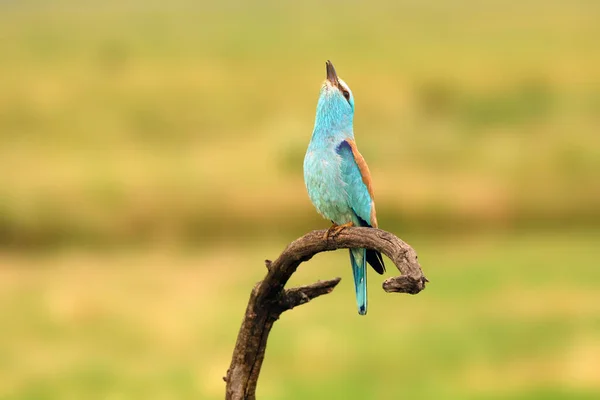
(335, 230)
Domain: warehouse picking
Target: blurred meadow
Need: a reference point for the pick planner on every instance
(151, 156)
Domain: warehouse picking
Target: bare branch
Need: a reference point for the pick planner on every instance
(269, 299)
(404, 284)
(303, 294)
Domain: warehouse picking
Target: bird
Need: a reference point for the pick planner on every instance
(337, 177)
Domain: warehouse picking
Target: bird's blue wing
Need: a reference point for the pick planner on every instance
(355, 175)
(357, 179)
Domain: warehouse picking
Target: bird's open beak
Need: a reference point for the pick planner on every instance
(331, 75)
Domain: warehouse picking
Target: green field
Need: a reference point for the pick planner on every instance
(504, 317)
(187, 121)
(151, 156)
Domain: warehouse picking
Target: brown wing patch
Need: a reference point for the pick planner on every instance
(366, 178)
(373, 214)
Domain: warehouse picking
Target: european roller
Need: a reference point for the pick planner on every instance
(337, 177)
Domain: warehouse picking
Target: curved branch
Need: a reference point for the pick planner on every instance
(269, 299)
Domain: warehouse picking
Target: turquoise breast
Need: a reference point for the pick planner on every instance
(326, 190)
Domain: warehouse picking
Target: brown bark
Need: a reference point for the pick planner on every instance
(268, 298)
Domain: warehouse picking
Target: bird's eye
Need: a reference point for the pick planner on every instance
(346, 94)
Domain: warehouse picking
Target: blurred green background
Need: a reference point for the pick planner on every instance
(151, 156)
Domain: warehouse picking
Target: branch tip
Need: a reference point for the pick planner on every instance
(268, 264)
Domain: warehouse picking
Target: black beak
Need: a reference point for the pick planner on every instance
(331, 75)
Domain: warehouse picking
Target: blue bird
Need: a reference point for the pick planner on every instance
(337, 177)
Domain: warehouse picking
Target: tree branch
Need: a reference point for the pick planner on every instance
(269, 299)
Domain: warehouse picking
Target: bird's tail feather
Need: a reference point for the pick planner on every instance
(358, 258)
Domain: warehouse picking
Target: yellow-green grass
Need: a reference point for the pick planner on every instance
(129, 126)
(504, 317)
(120, 123)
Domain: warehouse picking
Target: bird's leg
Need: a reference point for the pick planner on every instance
(335, 229)
(328, 231)
(340, 228)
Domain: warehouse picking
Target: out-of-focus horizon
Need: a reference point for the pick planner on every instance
(122, 122)
(153, 151)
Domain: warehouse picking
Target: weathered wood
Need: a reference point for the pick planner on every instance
(268, 298)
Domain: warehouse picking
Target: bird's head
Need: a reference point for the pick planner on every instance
(336, 103)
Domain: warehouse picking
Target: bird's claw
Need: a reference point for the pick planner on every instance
(335, 230)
